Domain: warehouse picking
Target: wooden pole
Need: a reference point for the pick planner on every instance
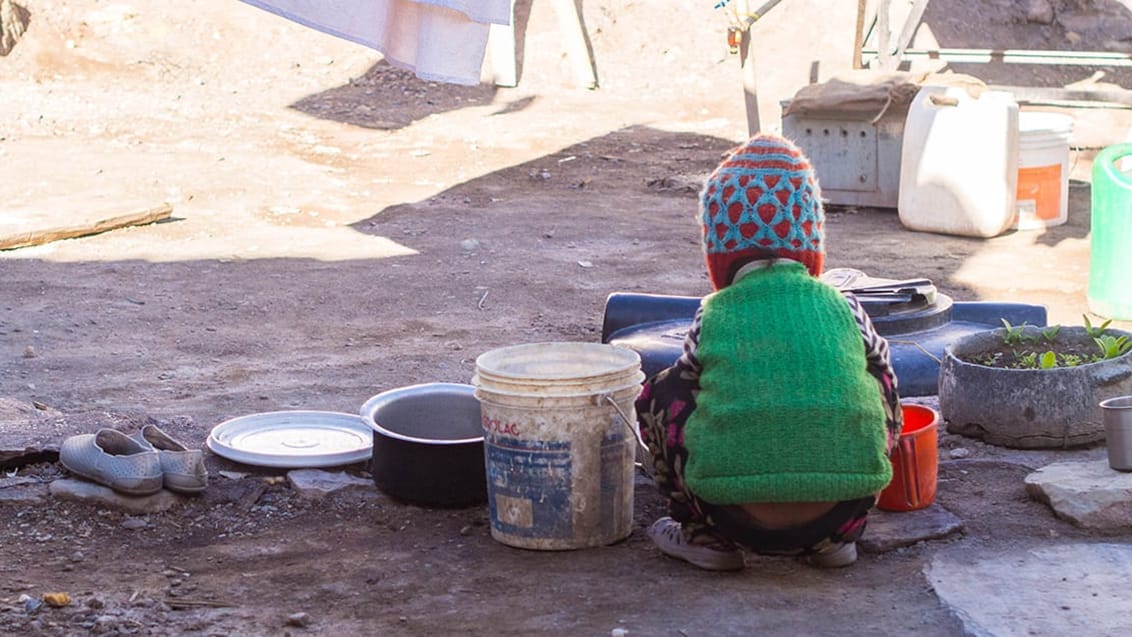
(859, 34)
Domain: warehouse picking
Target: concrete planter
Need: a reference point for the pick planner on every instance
(1029, 408)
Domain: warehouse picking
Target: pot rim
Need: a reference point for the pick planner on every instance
(369, 411)
(1117, 403)
(949, 351)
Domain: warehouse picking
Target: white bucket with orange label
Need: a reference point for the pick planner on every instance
(1043, 170)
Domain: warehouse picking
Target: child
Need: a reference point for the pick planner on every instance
(772, 430)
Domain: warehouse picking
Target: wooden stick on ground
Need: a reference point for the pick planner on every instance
(196, 603)
(45, 233)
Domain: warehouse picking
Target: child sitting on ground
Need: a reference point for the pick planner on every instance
(772, 430)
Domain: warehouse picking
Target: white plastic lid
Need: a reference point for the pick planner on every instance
(293, 439)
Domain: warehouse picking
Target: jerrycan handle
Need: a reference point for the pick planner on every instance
(943, 100)
(1105, 166)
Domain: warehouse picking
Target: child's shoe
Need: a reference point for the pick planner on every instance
(834, 556)
(705, 549)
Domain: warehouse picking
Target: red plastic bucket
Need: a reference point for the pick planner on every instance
(915, 462)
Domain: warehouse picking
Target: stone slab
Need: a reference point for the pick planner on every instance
(32, 432)
(1089, 494)
(20, 490)
(1075, 589)
(81, 491)
(315, 483)
(888, 531)
(26, 430)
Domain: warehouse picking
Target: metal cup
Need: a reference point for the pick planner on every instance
(1117, 415)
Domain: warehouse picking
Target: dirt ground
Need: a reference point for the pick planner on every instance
(341, 228)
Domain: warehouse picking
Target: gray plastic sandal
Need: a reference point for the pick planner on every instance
(111, 458)
(182, 467)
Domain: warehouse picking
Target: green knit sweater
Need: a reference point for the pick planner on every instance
(786, 411)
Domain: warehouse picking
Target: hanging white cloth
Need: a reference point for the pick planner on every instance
(439, 40)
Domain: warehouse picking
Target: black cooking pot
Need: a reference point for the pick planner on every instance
(428, 445)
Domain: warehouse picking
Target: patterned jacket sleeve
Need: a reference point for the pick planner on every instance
(880, 367)
(688, 363)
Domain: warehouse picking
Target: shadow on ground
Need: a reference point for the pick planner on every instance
(386, 97)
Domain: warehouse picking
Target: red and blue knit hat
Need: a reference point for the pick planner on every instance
(762, 202)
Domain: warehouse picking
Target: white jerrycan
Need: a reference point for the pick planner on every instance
(959, 162)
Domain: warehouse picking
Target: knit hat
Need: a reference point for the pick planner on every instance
(762, 202)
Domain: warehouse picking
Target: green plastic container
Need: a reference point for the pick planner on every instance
(1110, 261)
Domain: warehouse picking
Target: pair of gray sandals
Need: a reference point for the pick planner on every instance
(138, 464)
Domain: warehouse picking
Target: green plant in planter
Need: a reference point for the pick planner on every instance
(1028, 347)
(1013, 335)
(1034, 387)
(1073, 360)
(1111, 346)
(1094, 331)
(1048, 360)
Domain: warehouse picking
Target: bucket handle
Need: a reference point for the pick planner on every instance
(636, 434)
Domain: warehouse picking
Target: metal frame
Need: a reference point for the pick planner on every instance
(888, 54)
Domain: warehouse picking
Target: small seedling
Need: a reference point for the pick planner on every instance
(1111, 346)
(1012, 335)
(1050, 333)
(1094, 331)
(1071, 360)
(988, 359)
(1048, 360)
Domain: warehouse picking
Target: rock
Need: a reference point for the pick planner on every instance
(32, 432)
(315, 483)
(1090, 20)
(15, 408)
(82, 491)
(1077, 589)
(889, 531)
(33, 494)
(1117, 46)
(28, 431)
(1089, 494)
(1038, 11)
(470, 245)
(21, 490)
(300, 620)
(243, 493)
(134, 524)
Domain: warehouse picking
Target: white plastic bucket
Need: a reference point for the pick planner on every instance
(1043, 170)
(559, 456)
